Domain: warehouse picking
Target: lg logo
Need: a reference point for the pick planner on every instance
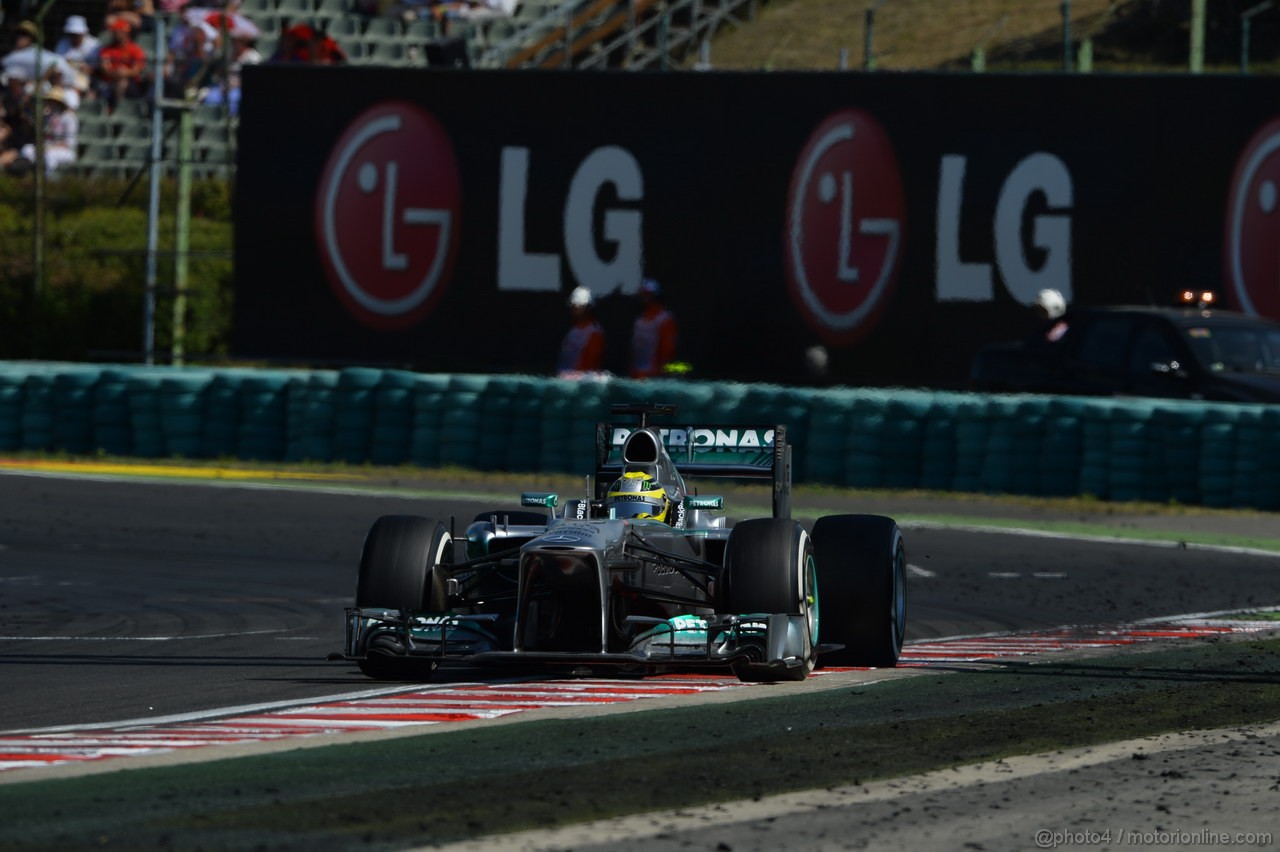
(388, 210)
(387, 215)
(389, 206)
(620, 226)
(1014, 227)
(1252, 240)
(844, 226)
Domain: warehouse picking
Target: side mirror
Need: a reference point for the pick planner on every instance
(709, 501)
(540, 499)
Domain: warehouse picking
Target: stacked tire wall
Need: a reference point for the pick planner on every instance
(1219, 455)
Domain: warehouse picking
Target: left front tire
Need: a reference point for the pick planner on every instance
(862, 566)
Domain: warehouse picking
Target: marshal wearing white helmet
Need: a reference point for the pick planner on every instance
(582, 350)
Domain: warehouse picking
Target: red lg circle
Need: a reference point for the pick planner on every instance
(844, 227)
(387, 215)
(1252, 241)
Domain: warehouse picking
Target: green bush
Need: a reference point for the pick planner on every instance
(90, 303)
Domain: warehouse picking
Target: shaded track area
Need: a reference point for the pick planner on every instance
(122, 599)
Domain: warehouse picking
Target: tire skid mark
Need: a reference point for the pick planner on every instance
(445, 703)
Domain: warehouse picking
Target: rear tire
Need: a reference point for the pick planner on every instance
(862, 568)
(769, 568)
(395, 573)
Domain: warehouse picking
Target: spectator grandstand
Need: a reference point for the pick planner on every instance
(583, 34)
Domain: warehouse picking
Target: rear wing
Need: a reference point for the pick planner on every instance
(759, 453)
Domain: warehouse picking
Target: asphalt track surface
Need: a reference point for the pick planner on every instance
(126, 599)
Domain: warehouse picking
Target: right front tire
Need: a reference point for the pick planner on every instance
(395, 573)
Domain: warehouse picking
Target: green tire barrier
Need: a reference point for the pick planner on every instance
(430, 398)
(12, 392)
(73, 402)
(37, 412)
(311, 438)
(1221, 455)
(263, 433)
(110, 417)
(392, 418)
(355, 400)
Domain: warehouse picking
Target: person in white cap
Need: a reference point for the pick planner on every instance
(582, 350)
(77, 45)
(1050, 305)
(1049, 308)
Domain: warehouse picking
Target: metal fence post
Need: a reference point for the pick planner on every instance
(664, 41)
(153, 210)
(1196, 63)
(182, 233)
(37, 246)
(1085, 63)
(1246, 25)
(1066, 35)
(568, 36)
(631, 32)
(704, 57)
(868, 41)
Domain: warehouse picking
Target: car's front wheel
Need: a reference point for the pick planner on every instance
(769, 568)
(396, 573)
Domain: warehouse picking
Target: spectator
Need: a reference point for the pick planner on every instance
(583, 348)
(1049, 308)
(22, 59)
(79, 49)
(475, 10)
(243, 52)
(123, 10)
(15, 103)
(1049, 305)
(121, 65)
(228, 18)
(9, 149)
(653, 337)
(301, 43)
(193, 63)
(61, 132)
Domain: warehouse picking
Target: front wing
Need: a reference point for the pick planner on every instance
(755, 643)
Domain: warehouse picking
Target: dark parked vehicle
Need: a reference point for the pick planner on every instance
(1184, 353)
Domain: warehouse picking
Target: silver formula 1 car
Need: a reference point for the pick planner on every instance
(639, 573)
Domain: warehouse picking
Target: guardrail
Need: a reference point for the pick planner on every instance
(1222, 455)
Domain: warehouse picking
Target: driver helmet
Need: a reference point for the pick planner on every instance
(637, 495)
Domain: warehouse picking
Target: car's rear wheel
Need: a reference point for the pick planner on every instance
(770, 568)
(862, 566)
(396, 573)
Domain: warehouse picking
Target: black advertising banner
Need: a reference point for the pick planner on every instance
(439, 220)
